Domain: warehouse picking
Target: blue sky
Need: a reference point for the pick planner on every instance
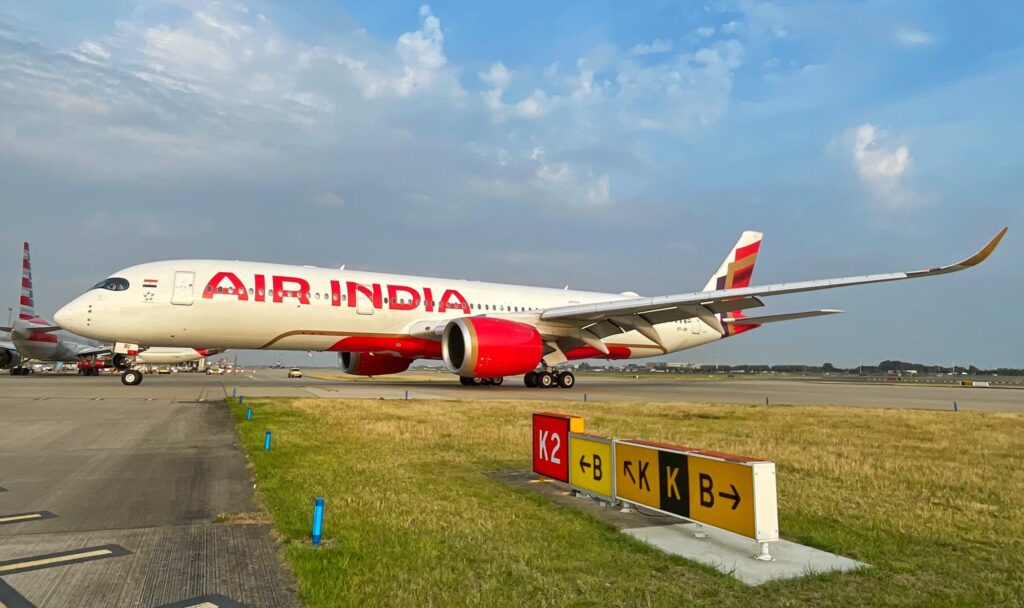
(605, 146)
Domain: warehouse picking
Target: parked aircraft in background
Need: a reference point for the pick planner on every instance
(32, 338)
(380, 323)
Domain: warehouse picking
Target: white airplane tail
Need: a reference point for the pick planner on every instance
(738, 266)
(27, 311)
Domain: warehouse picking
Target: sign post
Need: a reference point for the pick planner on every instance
(724, 491)
(592, 465)
(551, 443)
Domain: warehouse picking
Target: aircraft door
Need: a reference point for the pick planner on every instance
(183, 282)
(364, 305)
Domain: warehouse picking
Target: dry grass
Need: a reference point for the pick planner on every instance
(931, 499)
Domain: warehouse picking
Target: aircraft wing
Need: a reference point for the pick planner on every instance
(639, 313)
(91, 351)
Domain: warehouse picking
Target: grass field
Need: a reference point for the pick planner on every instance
(934, 501)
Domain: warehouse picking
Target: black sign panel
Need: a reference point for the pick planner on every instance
(675, 485)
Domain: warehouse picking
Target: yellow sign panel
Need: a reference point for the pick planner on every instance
(636, 475)
(722, 494)
(591, 468)
(715, 489)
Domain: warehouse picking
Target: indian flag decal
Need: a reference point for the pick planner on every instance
(150, 283)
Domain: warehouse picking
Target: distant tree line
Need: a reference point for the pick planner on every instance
(889, 366)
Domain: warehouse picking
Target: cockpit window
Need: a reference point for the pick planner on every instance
(112, 284)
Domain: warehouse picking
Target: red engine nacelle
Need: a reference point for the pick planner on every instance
(484, 347)
(371, 364)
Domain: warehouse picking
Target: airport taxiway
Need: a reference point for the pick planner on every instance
(752, 391)
(132, 484)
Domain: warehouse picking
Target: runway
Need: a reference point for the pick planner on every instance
(110, 498)
(327, 383)
(659, 389)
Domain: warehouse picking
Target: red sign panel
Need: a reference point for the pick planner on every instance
(551, 443)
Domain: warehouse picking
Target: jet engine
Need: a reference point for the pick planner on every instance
(9, 358)
(372, 364)
(483, 347)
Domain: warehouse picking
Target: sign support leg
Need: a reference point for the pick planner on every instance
(625, 508)
(765, 555)
(700, 533)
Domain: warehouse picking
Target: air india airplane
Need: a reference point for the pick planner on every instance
(32, 338)
(380, 323)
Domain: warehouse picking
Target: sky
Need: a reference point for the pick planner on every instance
(604, 146)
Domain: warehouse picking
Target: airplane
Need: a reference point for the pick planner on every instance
(380, 323)
(32, 338)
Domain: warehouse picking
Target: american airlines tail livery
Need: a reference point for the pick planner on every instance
(380, 323)
(33, 338)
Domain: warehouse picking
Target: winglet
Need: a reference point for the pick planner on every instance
(985, 251)
(974, 260)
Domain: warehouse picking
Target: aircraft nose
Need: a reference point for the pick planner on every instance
(69, 316)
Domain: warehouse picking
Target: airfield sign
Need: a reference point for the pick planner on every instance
(725, 491)
(551, 443)
(592, 465)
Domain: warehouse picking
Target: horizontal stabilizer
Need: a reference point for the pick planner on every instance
(43, 328)
(784, 317)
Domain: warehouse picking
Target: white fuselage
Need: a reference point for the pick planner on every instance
(221, 304)
(169, 356)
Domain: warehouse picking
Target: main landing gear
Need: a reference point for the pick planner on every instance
(547, 379)
(21, 371)
(131, 377)
(464, 381)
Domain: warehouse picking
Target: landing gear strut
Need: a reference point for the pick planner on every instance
(548, 379)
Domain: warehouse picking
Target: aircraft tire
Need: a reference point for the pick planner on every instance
(497, 381)
(131, 378)
(545, 380)
(530, 379)
(465, 381)
(566, 380)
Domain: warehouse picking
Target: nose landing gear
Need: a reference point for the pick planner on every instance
(131, 378)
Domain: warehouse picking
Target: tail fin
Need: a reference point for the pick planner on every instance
(738, 266)
(28, 305)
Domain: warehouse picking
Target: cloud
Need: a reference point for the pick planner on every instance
(497, 76)
(219, 92)
(329, 199)
(910, 37)
(612, 92)
(881, 165)
(656, 47)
